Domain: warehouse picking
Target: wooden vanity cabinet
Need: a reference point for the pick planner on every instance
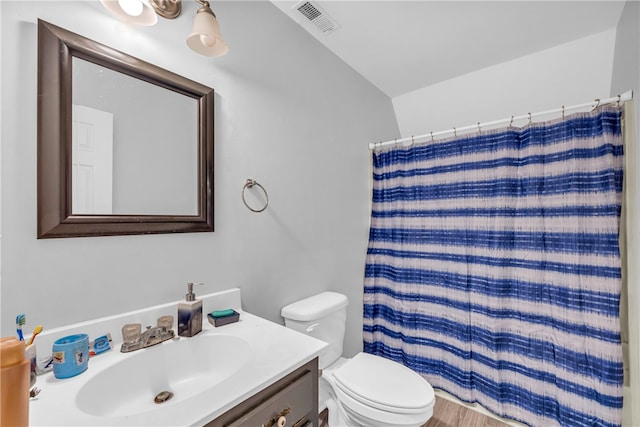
(295, 397)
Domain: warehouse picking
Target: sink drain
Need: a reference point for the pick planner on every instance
(163, 396)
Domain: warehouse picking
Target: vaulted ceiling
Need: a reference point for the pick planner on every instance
(401, 46)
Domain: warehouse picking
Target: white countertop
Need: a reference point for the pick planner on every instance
(275, 351)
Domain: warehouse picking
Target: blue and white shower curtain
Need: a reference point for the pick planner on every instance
(493, 267)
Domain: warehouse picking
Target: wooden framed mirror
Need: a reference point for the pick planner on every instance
(124, 147)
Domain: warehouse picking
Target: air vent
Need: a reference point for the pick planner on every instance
(317, 16)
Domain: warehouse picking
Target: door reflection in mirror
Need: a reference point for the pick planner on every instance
(92, 161)
(152, 145)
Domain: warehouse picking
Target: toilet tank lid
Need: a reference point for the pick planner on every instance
(314, 307)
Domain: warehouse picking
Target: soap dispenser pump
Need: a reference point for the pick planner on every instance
(189, 313)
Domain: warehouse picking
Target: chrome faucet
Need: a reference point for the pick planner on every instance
(133, 339)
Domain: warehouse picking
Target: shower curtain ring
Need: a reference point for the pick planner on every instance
(563, 112)
(618, 102)
(432, 136)
(479, 130)
(597, 100)
(455, 133)
(511, 122)
(529, 118)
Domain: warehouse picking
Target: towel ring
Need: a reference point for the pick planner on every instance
(249, 184)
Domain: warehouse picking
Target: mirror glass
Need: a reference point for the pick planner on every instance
(124, 146)
(134, 145)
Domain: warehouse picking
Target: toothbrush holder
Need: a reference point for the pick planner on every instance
(31, 355)
(70, 355)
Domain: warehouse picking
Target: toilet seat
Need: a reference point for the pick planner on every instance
(383, 384)
(361, 415)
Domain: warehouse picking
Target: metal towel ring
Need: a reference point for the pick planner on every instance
(249, 184)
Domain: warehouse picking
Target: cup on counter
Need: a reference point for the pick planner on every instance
(14, 383)
(31, 356)
(70, 355)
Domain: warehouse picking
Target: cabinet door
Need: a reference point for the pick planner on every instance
(296, 395)
(293, 403)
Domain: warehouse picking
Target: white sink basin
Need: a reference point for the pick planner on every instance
(186, 367)
(208, 374)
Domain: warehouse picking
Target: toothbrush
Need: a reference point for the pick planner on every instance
(36, 331)
(20, 320)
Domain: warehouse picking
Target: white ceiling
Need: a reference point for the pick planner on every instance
(401, 46)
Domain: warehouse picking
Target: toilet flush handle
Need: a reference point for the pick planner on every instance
(312, 327)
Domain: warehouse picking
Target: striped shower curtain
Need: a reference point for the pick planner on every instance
(493, 267)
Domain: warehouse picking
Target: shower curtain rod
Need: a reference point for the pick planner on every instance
(626, 96)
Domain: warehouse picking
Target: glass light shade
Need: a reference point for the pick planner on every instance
(131, 7)
(146, 17)
(205, 37)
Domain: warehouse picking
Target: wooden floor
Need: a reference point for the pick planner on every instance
(449, 414)
(445, 414)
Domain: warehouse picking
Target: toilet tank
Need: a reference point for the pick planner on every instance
(322, 316)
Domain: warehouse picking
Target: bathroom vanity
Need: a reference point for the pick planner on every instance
(294, 397)
(247, 373)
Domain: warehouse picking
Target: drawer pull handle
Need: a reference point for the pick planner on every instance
(302, 422)
(278, 421)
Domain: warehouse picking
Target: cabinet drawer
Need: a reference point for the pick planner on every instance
(297, 392)
(294, 399)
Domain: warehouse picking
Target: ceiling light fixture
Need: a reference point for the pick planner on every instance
(169, 9)
(205, 37)
(137, 12)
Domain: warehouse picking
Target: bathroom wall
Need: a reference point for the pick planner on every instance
(1, 127)
(288, 113)
(567, 74)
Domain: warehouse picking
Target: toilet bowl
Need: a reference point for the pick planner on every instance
(365, 390)
(376, 392)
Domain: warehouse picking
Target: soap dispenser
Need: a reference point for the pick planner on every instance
(189, 314)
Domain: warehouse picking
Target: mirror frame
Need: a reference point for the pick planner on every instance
(56, 49)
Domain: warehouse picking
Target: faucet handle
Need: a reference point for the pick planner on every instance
(131, 332)
(165, 322)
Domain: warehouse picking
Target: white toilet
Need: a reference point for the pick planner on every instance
(365, 390)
